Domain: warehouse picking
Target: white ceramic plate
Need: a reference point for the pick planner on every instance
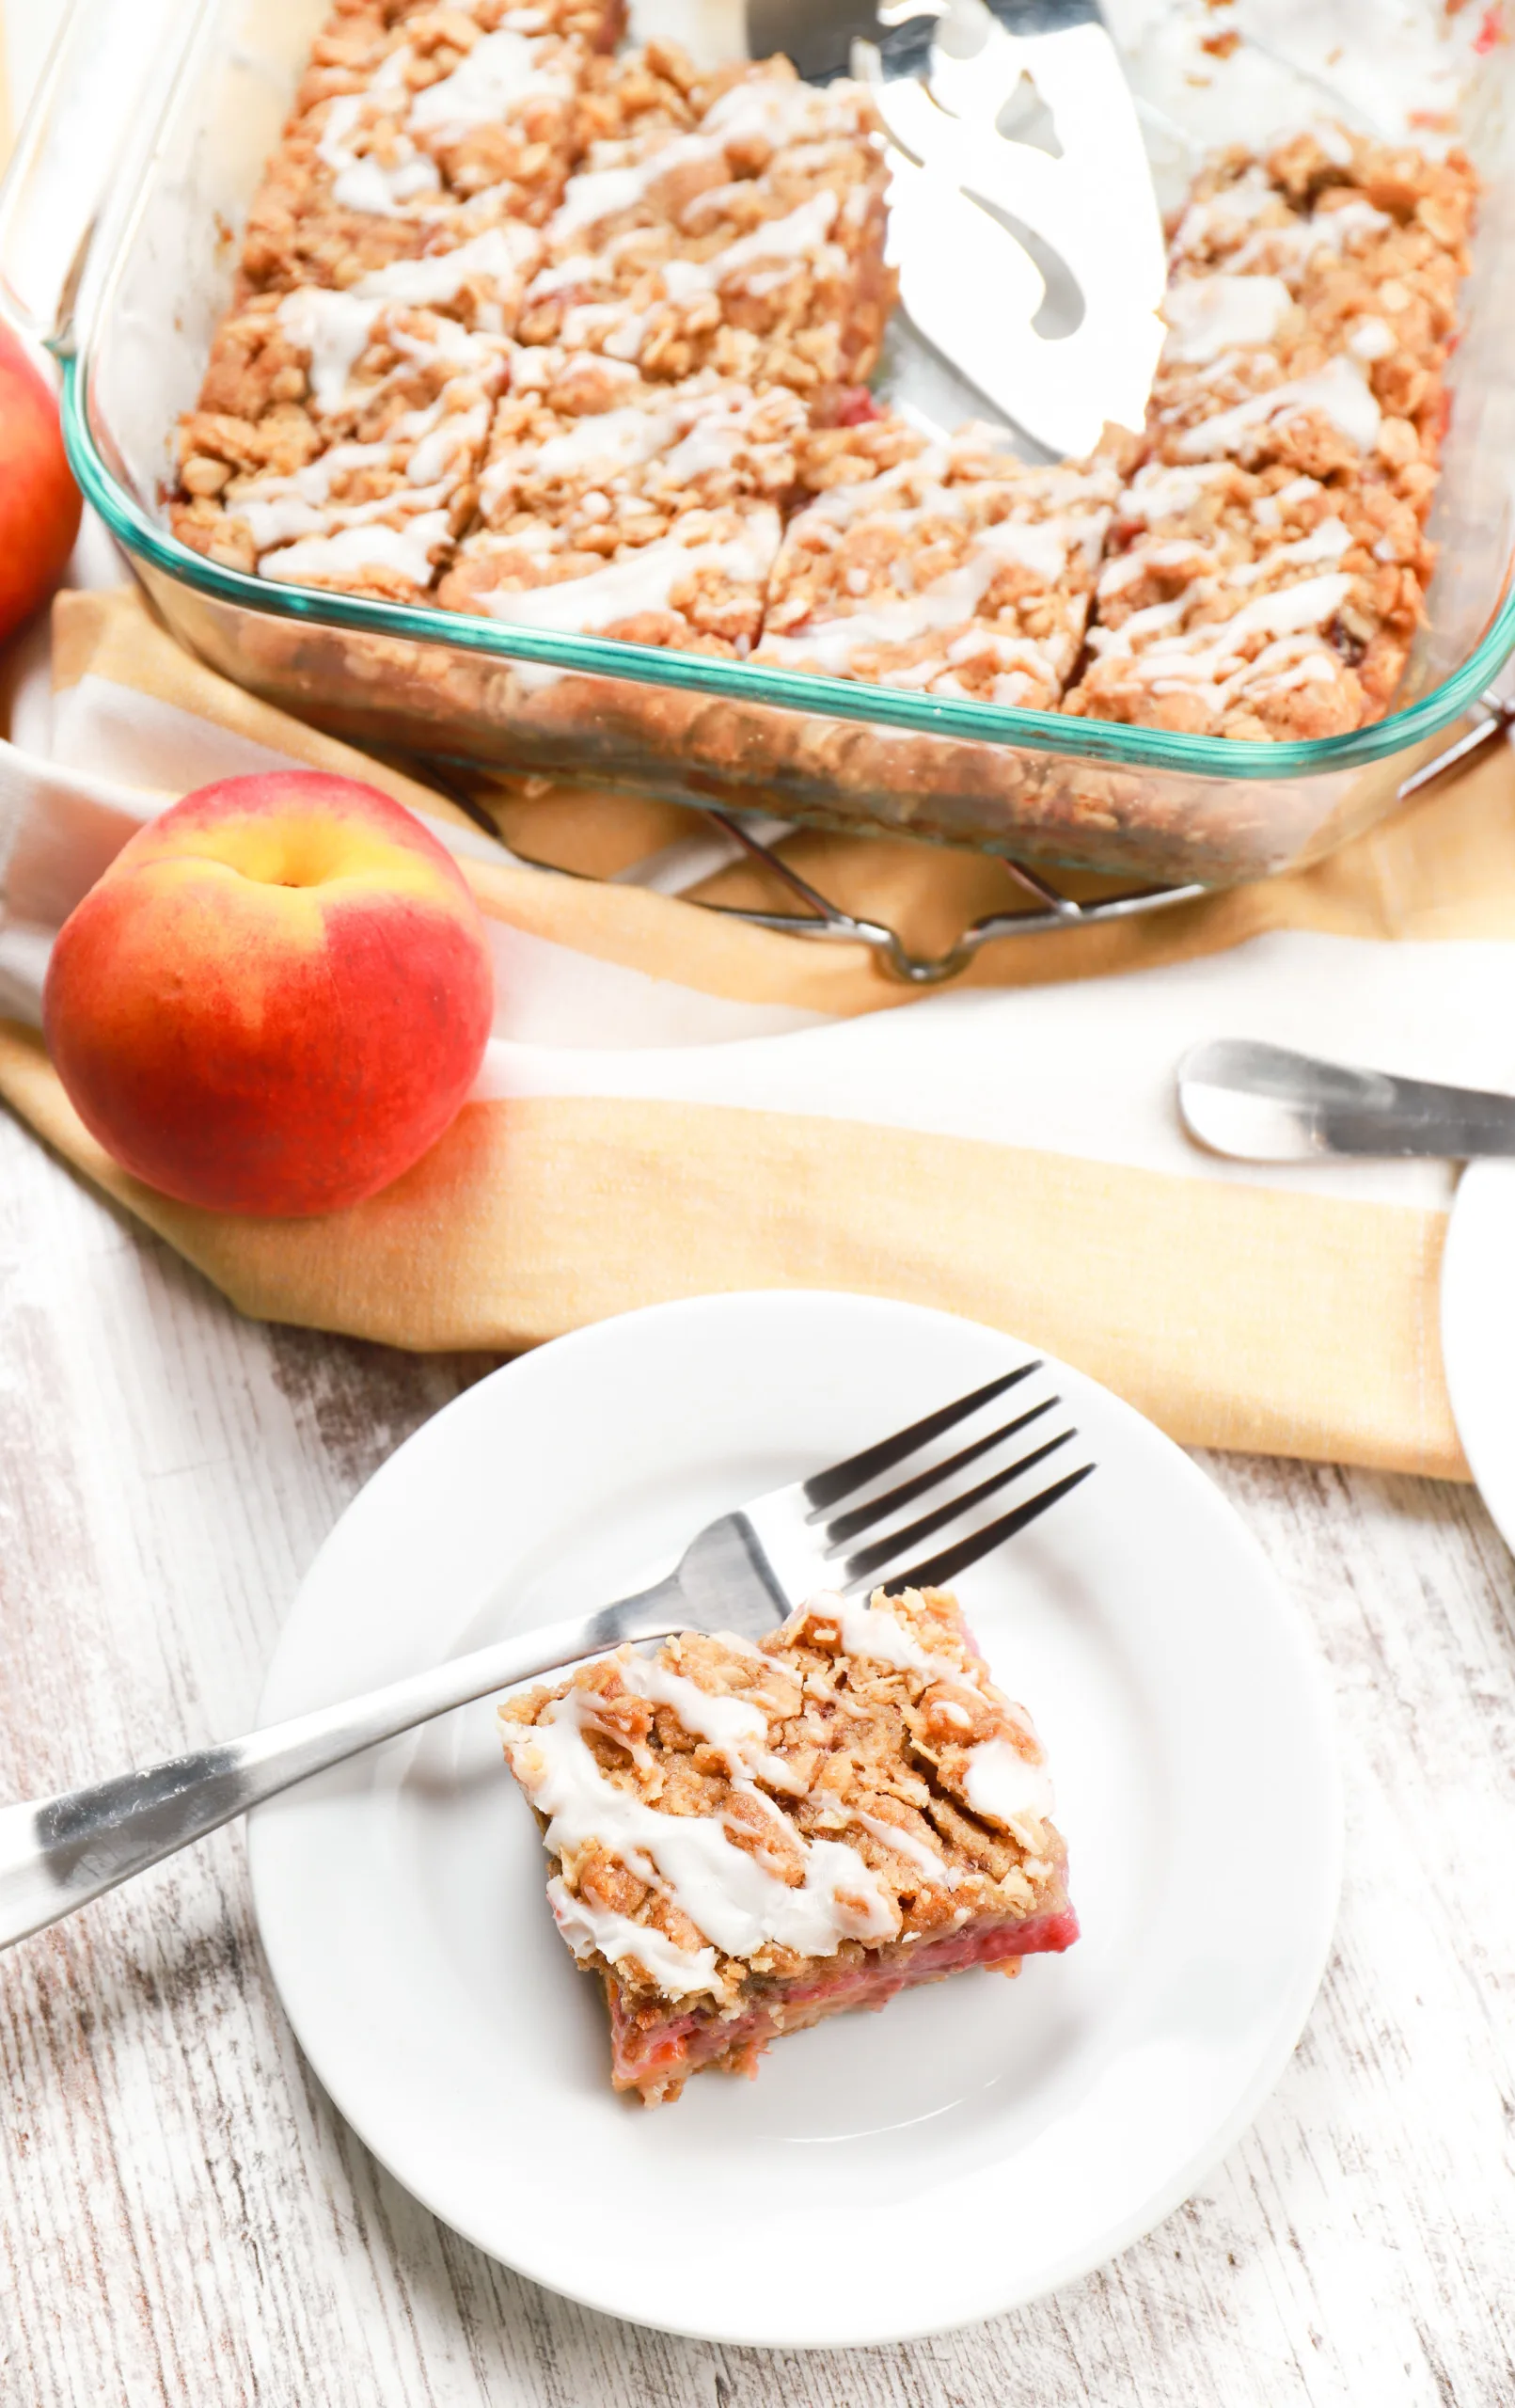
(885, 2175)
(1478, 1331)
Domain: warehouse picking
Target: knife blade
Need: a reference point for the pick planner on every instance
(1262, 1104)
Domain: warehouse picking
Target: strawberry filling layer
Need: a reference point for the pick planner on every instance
(649, 2057)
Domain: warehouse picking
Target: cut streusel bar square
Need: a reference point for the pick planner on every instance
(698, 587)
(745, 1839)
(735, 224)
(587, 443)
(615, 506)
(1311, 305)
(414, 130)
(1264, 605)
(948, 568)
(1269, 568)
(347, 450)
(1334, 220)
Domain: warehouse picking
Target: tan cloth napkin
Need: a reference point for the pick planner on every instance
(675, 1104)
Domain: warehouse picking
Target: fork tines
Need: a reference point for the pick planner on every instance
(938, 1570)
(829, 1487)
(866, 1565)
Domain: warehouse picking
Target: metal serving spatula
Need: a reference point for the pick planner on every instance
(1263, 1104)
(1022, 217)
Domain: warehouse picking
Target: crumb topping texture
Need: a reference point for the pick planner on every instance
(1269, 564)
(744, 1838)
(576, 338)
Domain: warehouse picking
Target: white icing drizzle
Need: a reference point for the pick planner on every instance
(727, 1893)
(678, 1972)
(276, 508)
(1169, 660)
(1128, 568)
(451, 447)
(598, 192)
(924, 475)
(1210, 314)
(334, 327)
(738, 1730)
(870, 1630)
(406, 548)
(1370, 338)
(776, 110)
(1339, 391)
(580, 267)
(1005, 1786)
(533, 371)
(834, 636)
(621, 331)
(1010, 651)
(360, 181)
(613, 440)
(1159, 491)
(716, 429)
(1000, 1782)
(501, 71)
(500, 256)
(642, 579)
(908, 496)
(799, 236)
(1313, 603)
(779, 109)
(1327, 542)
(1238, 204)
(1291, 242)
(1334, 229)
(427, 445)
(750, 261)
(1307, 667)
(833, 644)
(682, 279)
(909, 1845)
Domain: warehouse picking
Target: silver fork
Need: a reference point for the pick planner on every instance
(742, 1573)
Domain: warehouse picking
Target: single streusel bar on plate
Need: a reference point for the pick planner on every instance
(737, 224)
(348, 454)
(947, 567)
(745, 1839)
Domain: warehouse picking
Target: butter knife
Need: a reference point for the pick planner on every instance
(1264, 1105)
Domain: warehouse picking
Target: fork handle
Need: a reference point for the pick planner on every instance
(57, 1853)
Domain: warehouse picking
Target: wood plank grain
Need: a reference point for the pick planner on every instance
(185, 2219)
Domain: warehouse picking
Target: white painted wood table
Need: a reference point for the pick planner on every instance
(184, 2219)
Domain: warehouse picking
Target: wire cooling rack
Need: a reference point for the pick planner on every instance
(757, 835)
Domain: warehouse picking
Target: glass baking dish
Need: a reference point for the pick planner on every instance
(118, 232)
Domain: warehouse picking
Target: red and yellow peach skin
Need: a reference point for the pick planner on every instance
(277, 997)
(40, 502)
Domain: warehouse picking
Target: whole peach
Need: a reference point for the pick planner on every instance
(277, 997)
(39, 499)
